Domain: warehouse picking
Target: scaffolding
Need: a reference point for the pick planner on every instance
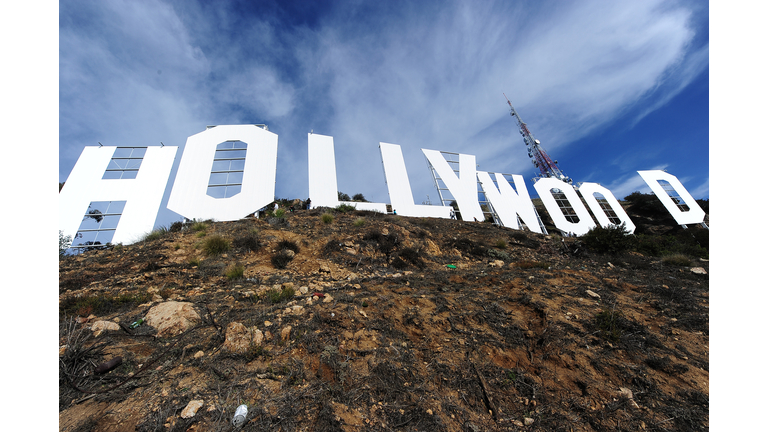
(486, 206)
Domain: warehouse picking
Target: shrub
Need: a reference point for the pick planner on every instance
(279, 213)
(611, 240)
(194, 262)
(155, 234)
(343, 208)
(359, 222)
(249, 242)
(407, 256)
(235, 271)
(288, 244)
(359, 197)
(610, 325)
(677, 260)
(501, 244)
(176, 226)
(281, 259)
(102, 304)
(198, 226)
(326, 218)
(499, 255)
(215, 245)
(277, 296)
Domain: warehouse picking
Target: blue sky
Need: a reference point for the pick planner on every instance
(608, 87)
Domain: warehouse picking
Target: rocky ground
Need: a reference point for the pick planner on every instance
(379, 322)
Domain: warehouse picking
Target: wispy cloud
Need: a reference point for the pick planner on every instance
(419, 74)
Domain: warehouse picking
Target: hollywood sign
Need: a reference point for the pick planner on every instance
(254, 174)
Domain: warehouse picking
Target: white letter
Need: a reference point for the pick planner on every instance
(464, 187)
(693, 216)
(323, 189)
(544, 188)
(588, 191)
(509, 204)
(189, 194)
(143, 193)
(399, 187)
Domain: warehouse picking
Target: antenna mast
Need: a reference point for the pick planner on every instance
(539, 157)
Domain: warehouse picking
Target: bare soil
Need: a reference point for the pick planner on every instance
(405, 343)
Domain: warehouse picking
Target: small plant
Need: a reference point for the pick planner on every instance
(249, 242)
(195, 262)
(215, 245)
(200, 234)
(611, 240)
(499, 255)
(359, 222)
(277, 296)
(677, 260)
(501, 244)
(343, 208)
(235, 271)
(281, 259)
(198, 226)
(326, 218)
(365, 303)
(288, 244)
(609, 324)
(156, 234)
(279, 213)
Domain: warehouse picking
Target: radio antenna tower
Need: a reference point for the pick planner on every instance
(536, 152)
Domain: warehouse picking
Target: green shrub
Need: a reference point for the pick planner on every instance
(677, 260)
(155, 234)
(279, 213)
(199, 226)
(501, 244)
(359, 222)
(343, 208)
(235, 271)
(499, 255)
(194, 262)
(611, 240)
(215, 245)
(610, 325)
(326, 218)
(102, 304)
(277, 296)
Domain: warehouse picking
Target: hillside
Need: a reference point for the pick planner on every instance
(368, 328)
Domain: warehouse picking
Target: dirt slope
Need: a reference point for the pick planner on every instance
(524, 334)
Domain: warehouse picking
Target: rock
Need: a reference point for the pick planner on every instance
(199, 354)
(258, 336)
(327, 298)
(528, 421)
(191, 409)
(285, 333)
(497, 263)
(297, 310)
(288, 285)
(100, 327)
(623, 391)
(593, 294)
(517, 423)
(698, 270)
(238, 338)
(172, 318)
(303, 290)
(325, 269)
